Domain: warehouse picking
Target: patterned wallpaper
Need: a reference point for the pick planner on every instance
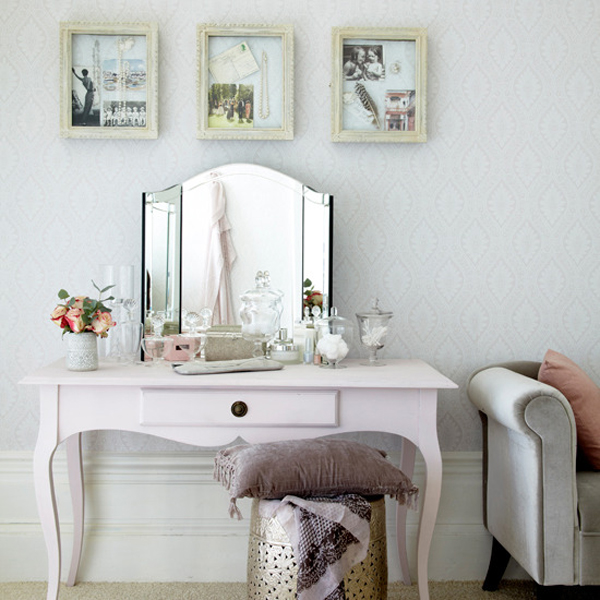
(483, 241)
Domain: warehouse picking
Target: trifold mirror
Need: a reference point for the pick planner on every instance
(205, 239)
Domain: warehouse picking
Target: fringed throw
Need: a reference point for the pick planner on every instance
(329, 535)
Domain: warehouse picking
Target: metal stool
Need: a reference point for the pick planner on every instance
(273, 572)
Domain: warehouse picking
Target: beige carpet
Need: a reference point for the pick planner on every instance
(447, 590)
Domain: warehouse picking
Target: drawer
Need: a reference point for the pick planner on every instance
(231, 408)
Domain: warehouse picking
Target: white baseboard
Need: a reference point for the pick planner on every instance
(162, 517)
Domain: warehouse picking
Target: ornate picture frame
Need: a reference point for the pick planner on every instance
(245, 86)
(379, 84)
(109, 80)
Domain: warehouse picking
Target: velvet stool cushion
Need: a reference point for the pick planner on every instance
(313, 467)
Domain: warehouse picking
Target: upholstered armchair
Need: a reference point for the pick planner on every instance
(539, 506)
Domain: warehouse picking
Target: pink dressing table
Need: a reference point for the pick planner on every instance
(300, 401)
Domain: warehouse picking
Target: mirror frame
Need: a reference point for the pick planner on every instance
(226, 171)
(172, 194)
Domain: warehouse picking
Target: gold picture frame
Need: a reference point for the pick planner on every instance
(245, 86)
(109, 80)
(379, 84)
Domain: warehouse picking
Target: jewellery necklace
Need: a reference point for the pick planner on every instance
(263, 112)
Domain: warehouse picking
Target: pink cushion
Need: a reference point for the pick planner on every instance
(584, 397)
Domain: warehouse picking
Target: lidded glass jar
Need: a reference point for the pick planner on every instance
(373, 329)
(260, 312)
(284, 350)
(334, 338)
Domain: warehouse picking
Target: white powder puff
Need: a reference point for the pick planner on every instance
(332, 347)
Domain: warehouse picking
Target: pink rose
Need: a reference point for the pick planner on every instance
(314, 299)
(101, 323)
(74, 320)
(58, 316)
(79, 301)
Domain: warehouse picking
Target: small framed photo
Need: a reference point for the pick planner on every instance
(245, 82)
(109, 80)
(379, 84)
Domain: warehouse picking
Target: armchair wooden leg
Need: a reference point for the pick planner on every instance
(498, 563)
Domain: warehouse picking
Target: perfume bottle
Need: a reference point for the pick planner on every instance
(309, 351)
(304, 330)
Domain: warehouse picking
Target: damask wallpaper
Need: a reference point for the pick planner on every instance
(483, 241)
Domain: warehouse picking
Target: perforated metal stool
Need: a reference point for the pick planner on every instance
(273, 572)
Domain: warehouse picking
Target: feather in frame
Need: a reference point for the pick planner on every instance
(367, 102)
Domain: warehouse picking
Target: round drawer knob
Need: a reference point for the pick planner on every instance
(239, 409)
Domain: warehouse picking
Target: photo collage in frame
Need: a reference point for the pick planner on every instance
(379, 87)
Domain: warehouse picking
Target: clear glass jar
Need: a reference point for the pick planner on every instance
(260, 312)
(334, 338)
(373, 327)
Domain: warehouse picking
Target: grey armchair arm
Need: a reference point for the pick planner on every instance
(530, 479)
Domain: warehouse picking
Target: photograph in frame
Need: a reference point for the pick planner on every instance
(379, 85)
(109, 80)
(231, 106)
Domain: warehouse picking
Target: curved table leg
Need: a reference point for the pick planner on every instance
(432, 457)
(407, 465)
(44, 484)
(75, 469)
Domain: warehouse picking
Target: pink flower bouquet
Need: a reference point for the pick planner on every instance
(81, 313)
(312, 297)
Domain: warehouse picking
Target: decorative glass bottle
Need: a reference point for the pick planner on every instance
(157, 345)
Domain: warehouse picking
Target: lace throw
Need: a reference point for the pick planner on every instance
(329, 535)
